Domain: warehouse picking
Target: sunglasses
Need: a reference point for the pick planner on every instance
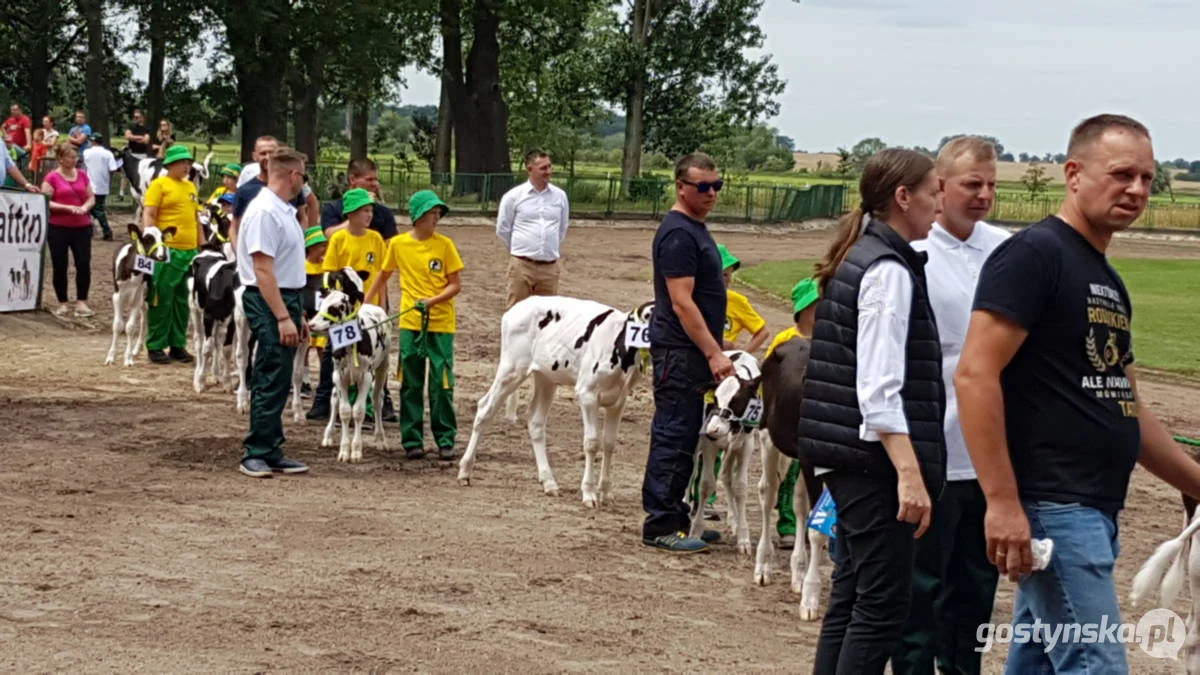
(704, 186)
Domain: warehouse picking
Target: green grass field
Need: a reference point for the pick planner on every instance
(1165, 293)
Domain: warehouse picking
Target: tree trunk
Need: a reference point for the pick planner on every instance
(445, 135)
(260, 58)
(479, 113)
(358, 130)
(635, 98)
(93, 16)
(43, 20)
(158, 57)
(306, 91)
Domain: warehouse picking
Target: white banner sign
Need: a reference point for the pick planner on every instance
(22, 233)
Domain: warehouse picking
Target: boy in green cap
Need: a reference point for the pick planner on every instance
(429, 267)
(229, 176)
(358, 246)
(804, 314)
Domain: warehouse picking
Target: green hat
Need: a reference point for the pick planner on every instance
(727, 259)
(231, 170)
(804, 294)
(354, 200)
(313, 236)
(422, 202)
(177, 153)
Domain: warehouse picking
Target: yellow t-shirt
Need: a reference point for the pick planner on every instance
(783, 337)
(177, 204)
(362, 253)
(212, 199)
(311, 268)
(423, 267)
(739, 316)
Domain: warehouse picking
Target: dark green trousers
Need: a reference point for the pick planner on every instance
(787, 509)
(954, 587)
(439, 366)
(168, 314)
(271, 375)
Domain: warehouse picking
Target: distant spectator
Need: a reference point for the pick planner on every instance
(165, 137)
(70, 231)
(139, 141)
(17, 133)
(99, 163)
(44, 140)
(81, 132)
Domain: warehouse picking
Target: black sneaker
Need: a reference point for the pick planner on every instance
(447, 453)
(108, 236)
(158, 356)
(389, 415)
(285, 465)
(318, 413)
(255, 467)
(414, 453)
(306, 391)
(677, 542)
(181, 355)
(710, 536)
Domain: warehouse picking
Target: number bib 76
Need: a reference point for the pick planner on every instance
(637, 335)
(346, 334)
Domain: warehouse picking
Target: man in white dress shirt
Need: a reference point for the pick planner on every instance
(532, 223)
(270, 264)
(954, 584)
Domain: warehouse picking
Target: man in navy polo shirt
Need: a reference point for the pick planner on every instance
(685, 347)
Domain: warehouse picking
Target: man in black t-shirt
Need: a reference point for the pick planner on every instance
(685, 347)
(137, 139)
(1048, 400)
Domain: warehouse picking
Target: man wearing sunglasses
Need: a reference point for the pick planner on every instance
(685, 347)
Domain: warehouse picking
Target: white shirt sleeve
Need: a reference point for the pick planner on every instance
(565, 219)
(8, 163)
(505, 215)
(884, 304)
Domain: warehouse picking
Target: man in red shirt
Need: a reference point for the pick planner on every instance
(17, 134)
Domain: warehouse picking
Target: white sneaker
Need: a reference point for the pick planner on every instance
(62, 312)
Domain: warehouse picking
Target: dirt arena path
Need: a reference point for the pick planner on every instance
(131, 543)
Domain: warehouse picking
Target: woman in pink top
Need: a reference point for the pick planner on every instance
(71, 199)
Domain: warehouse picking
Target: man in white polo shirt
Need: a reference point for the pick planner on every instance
(532, 223)
(270, 262)
(954, 584)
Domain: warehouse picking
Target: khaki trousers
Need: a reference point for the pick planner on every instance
(528, 278)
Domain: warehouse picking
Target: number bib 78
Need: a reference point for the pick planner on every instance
(346, 334)
(637, 335)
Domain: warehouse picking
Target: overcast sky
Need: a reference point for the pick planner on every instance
(1025, 71)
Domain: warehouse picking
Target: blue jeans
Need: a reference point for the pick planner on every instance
(1077, 588)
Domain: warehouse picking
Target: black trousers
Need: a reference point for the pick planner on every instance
(954, 587)
(872, 577)
(77, 241)
(679, 379)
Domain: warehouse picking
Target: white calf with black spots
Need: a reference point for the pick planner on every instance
(133, 269)
(564, 341)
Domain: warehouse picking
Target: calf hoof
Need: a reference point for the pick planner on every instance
(745, 548)
(762, 577)
(550, 487)
(464, 481)
(109, 361)
(591, 501)
(809, 613)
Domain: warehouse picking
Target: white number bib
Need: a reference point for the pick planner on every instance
(637, 335)
(143, 264)
(346, 334)
(753, 413)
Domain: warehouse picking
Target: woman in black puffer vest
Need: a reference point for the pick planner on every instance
(871, 421)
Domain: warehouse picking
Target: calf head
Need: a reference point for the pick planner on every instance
(734, 402)
(644, 311)
(344, 296)
(151, 242)
(216, 224)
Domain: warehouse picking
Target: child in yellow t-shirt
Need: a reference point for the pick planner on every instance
(429, 267)
(739, 313)
(804, 314)
(315, 244)
(358, 246)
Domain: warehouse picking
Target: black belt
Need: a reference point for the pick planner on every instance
(281, 291)
(535, 262)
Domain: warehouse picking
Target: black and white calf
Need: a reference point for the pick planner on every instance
(571, 342)
(212, 286)
(731, 424)
(360, 337)
(783, 392)
(133, 269)
(1173, 564)
(142, 172)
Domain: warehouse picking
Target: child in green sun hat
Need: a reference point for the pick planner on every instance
(430, 268)
(229, 176)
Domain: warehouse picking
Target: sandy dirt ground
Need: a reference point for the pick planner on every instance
(131, 543)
